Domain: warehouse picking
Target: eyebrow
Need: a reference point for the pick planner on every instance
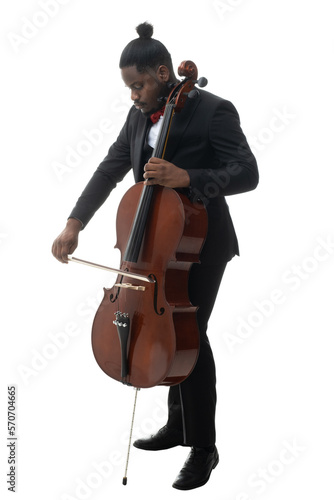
(129, 85)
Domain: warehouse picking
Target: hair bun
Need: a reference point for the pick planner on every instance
(145, 30)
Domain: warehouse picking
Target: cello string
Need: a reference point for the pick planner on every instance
(141, 215)
(158, 150)
(138, 226)
(125, 478)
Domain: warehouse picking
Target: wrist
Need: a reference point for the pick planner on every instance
(75, 224)
(185, 179)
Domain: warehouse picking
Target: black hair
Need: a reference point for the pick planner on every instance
(145, 52)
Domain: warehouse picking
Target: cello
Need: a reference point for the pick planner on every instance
(145, 331)
(147, 335)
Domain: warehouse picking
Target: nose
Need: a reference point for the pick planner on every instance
(135, 95)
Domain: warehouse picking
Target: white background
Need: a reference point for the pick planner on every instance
(272, 328)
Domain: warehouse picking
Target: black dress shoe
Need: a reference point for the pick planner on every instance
(197, 469)
(164, 439)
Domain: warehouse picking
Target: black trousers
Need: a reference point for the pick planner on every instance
(192, 404)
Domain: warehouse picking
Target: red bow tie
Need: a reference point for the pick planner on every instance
(155, 117)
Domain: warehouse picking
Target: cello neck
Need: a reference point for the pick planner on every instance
(175, 103)
(160, 147)
(138, 227)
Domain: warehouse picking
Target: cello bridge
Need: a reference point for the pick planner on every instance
(130, 286)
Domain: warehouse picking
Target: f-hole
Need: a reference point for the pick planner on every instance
(112, 298)
(162, 309)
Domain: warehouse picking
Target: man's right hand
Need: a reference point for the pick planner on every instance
(67, 241)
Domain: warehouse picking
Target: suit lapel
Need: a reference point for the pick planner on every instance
(179, 126)
(139, 139)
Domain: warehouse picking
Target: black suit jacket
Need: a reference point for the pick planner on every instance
(205, 139)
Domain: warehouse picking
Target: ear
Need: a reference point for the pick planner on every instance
(163, 73)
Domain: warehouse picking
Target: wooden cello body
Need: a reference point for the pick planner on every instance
(145, 332)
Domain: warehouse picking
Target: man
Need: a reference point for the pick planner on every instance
(208, 157)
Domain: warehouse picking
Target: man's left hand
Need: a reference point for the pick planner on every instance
(164, 173)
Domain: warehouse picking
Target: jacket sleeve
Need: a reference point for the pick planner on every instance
(111, 170)
(235, 169)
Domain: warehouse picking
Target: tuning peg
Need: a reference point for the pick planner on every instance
(202, 82)
(171, 85)
(193, 94)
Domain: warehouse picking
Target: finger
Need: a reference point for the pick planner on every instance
(67, 250)
(55, 250)
(60, 252)
(151, 182)
(150, 167)
(71, 249)
(149, 173)
(154, 159)
(62, 255)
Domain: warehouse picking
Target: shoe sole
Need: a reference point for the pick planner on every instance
(157, 449)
